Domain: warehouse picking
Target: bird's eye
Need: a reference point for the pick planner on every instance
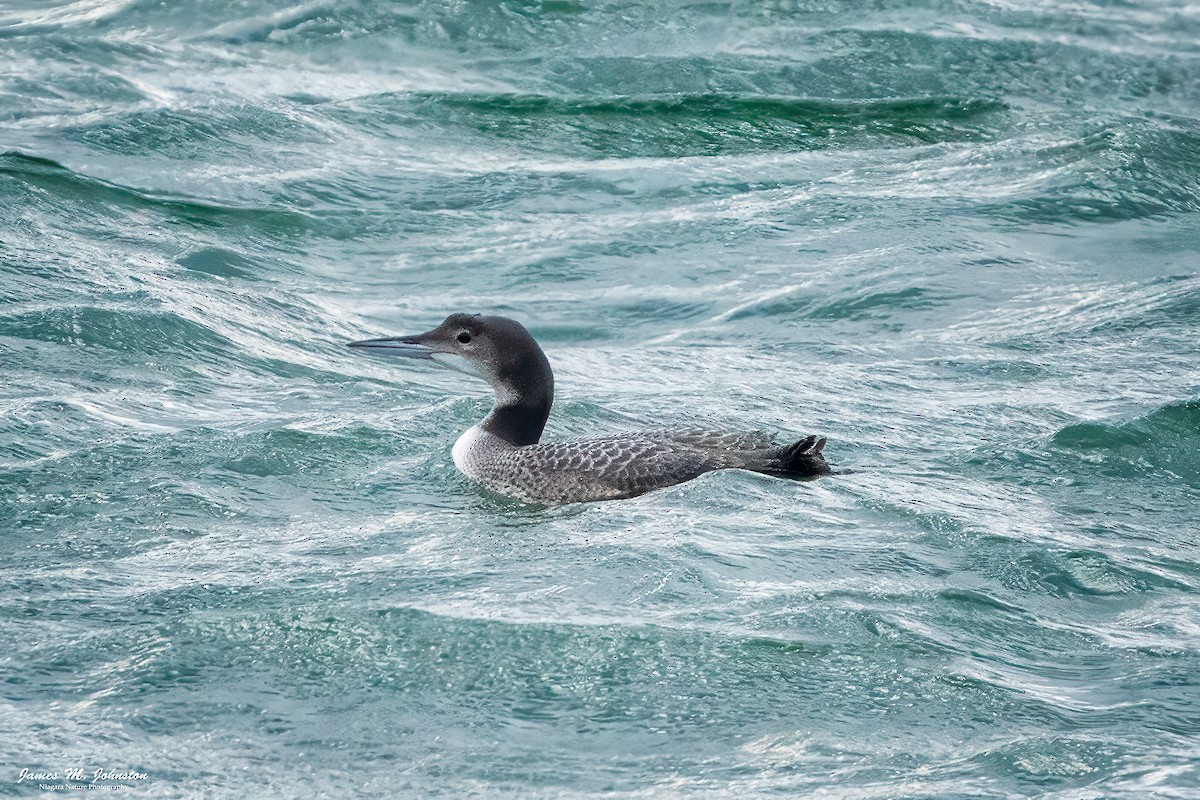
(463, 337)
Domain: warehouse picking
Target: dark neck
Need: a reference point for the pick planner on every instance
(519, 423)
(524, 393)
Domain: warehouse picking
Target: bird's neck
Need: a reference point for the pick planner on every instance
(522, 406)
(518, 424)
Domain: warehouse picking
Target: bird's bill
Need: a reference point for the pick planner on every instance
(429, 346)
(407, 346)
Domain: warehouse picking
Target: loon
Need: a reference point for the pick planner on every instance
(503, 452)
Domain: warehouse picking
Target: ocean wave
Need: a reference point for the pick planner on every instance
(1133, 169)
(1164, 444)
(679, 126)
(211, 134)
(71, 188)
(124, 330)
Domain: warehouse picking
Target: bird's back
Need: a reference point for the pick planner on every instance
(625, 464)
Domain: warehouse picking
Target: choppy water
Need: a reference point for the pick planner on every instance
(959, 239)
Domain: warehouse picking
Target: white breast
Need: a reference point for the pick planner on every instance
(462, 450)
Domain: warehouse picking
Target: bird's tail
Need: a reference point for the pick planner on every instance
(801, 459)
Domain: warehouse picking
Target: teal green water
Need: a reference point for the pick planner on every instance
(959, 239)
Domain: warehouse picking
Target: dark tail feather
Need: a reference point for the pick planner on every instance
(802, 459)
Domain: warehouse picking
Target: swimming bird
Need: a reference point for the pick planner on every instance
(504, 451)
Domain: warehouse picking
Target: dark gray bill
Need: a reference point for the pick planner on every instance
(396, 346)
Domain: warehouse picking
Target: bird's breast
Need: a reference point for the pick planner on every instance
(464, 451)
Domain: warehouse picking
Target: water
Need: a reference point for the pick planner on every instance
(958, 238)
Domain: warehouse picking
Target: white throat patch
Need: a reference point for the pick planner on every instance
(459, 364)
